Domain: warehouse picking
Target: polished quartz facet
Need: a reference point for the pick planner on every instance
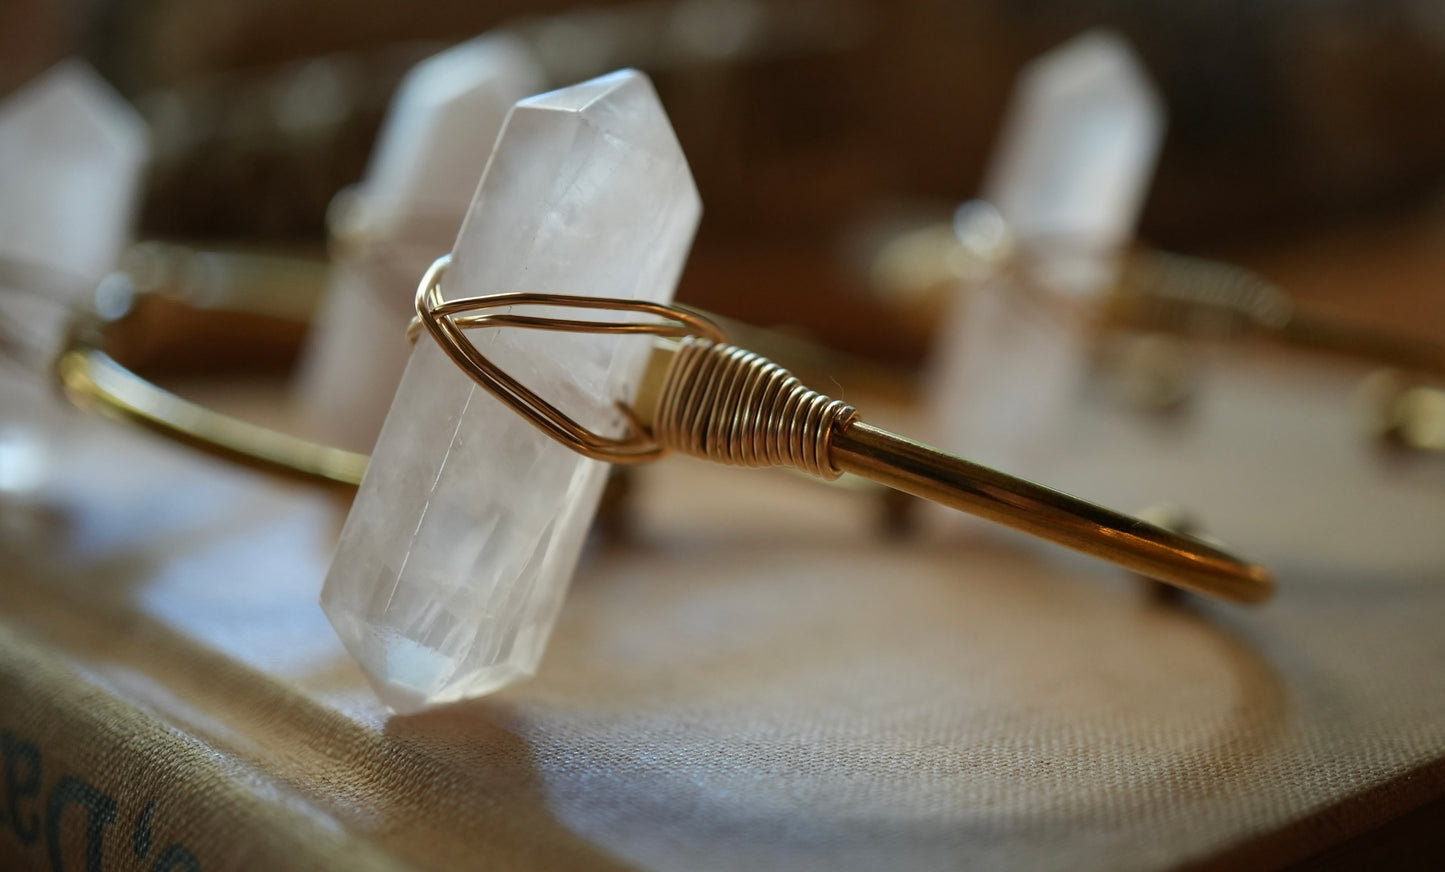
(405, 213)
(467, 528)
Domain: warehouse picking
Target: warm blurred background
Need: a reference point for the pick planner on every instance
(1305, 139)
(742, 683)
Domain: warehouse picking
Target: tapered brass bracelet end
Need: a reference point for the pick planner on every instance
(722, 403)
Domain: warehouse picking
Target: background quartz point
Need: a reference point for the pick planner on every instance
(430, 154)
(464, 535)
(1069, 176)
(1077, 153)
(71, 153)
(440, 128)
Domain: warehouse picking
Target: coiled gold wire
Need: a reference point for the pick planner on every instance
(732, 406)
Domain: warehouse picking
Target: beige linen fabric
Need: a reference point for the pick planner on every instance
(760, 680)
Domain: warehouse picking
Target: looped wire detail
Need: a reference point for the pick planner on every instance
(447, 321)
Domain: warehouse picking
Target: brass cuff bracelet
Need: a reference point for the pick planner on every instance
(706, 398)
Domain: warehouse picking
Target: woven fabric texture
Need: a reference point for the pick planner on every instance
(758, 678)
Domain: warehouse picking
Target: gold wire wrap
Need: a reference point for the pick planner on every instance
(448, 320)
(718, 402)
(725, 404)
(731, 406)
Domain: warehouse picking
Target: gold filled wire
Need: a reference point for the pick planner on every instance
(713, 400)
(725, 404)
(447, 321)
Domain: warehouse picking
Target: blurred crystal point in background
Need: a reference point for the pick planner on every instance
(404, 214)
(71, 155)
(1062, 198)
(465, 532)
(71, 152)
(1073, 164)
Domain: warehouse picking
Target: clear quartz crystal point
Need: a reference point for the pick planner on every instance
(1066, 184)
(429, 156)
(464, 535)
(71, 153)
(71, 156)
(1074, 163)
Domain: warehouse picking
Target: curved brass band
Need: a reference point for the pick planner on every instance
(93, 380)
(735, 401)
(926, 472)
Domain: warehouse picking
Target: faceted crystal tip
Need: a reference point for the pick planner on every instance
(429, 157)
(1079, 144)
(465, 532)
(440, 129)
(71, 152)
